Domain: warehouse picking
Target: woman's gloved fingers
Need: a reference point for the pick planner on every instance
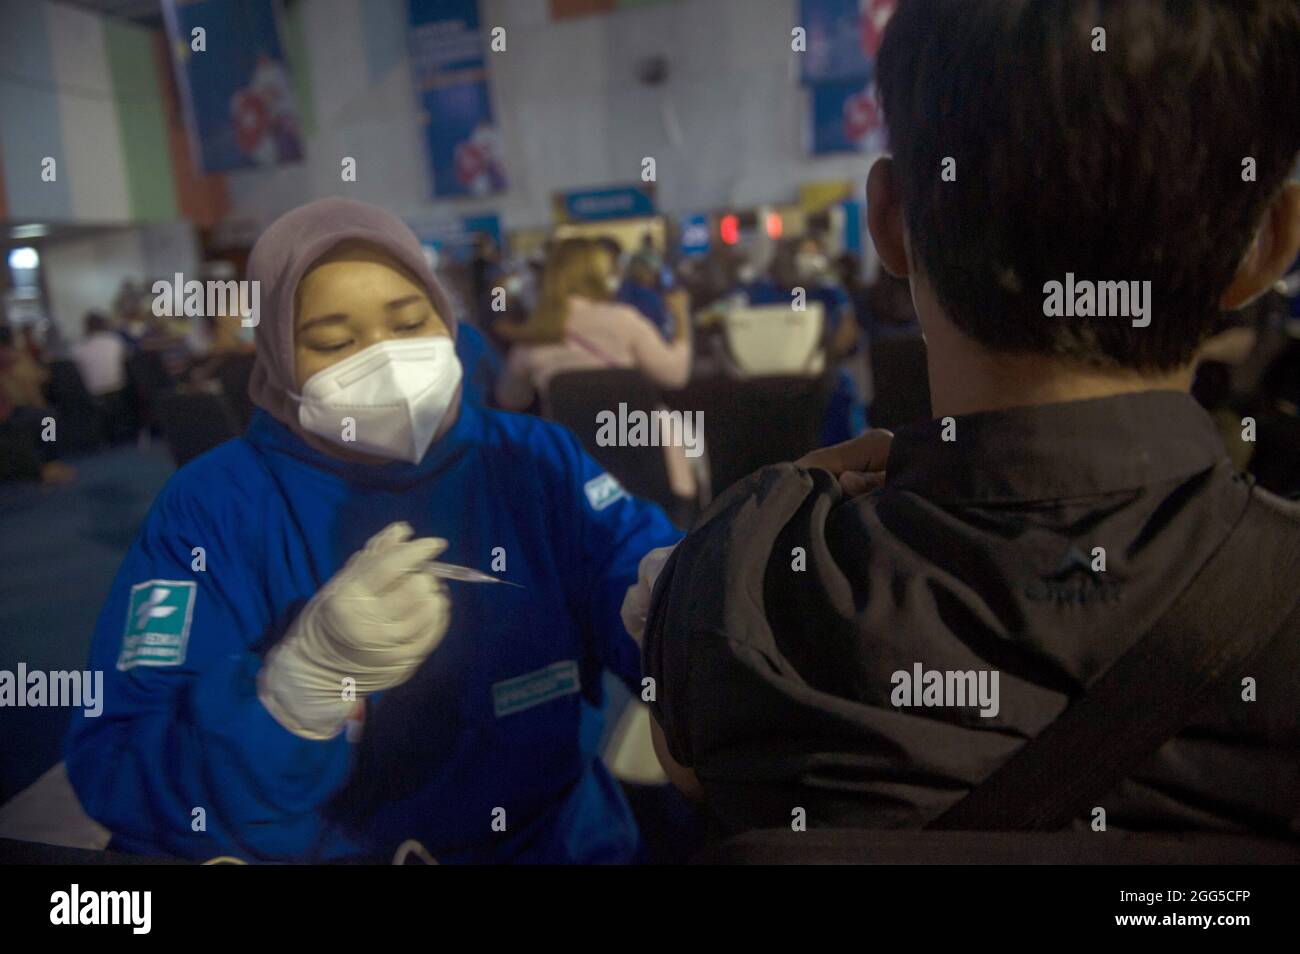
(426, 625)
(407, 609)
(386, 569)
(409, 596)
(391, 534)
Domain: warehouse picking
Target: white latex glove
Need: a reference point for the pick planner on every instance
(375, 621)
(636, 602)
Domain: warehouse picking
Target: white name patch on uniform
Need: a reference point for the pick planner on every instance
(532, 689)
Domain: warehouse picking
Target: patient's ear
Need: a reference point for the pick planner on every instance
(885, 217)
(1274, 249)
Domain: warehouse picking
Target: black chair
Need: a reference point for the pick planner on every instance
(901, 381)
(234, 374)
(147, 377)
(752, 422)
(868, 847)
(18, 458)
(575, 398)
(80, 428)
(194, 422)
(1276, 409)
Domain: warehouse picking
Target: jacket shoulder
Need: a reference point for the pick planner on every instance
(229, 481)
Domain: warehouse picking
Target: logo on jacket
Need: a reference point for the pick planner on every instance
(154, 607)
(1073, 559)
(157, 623)
(1075, 580)
(602, 491)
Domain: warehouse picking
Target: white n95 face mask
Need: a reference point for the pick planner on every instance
(397, 394)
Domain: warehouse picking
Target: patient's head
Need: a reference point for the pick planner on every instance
(1160, 157)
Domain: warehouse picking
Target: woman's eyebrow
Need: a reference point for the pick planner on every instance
(403, 302)
(331, 318)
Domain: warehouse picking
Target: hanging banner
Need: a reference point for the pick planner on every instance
(565, 9)
(234, 80)
(845, 117)
(843, 37)
(450, 72)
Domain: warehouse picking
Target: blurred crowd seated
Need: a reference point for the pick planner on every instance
(588, 327)
(130, 378)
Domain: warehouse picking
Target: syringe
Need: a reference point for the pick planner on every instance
(450, 571)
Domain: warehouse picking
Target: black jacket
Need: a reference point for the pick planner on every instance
(777, 684)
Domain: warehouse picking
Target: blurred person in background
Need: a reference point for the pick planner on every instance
(30, 343)
(848, 270)
(484, 268)
(644, 286)
(577, 326)
(128, 301)
(23, 409)
(519, 284)
(226, 341)
(801, 263)
(317, 685)
(101, 358)
(478, 357)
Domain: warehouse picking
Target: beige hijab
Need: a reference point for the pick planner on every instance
(284, 253)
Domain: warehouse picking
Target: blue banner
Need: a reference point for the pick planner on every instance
(236, 92)
(843, 37)
(447, 62)
(846, 117)
(615, 202)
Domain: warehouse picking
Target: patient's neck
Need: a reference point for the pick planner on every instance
(966, 378)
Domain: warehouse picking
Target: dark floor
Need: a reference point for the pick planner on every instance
(59, 550)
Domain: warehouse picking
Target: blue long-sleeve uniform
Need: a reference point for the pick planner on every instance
(480, 362)
(504, 714)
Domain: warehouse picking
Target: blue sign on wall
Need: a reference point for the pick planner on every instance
(591, 205)
(695, 234)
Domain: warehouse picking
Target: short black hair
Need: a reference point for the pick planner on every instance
(1123, 165)
(95, 322)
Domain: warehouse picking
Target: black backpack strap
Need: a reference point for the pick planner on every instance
(1224, 618)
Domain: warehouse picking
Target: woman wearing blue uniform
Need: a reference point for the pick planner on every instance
(289, 676)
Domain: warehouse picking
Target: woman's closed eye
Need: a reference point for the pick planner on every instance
(328, 346)
(413, 324)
